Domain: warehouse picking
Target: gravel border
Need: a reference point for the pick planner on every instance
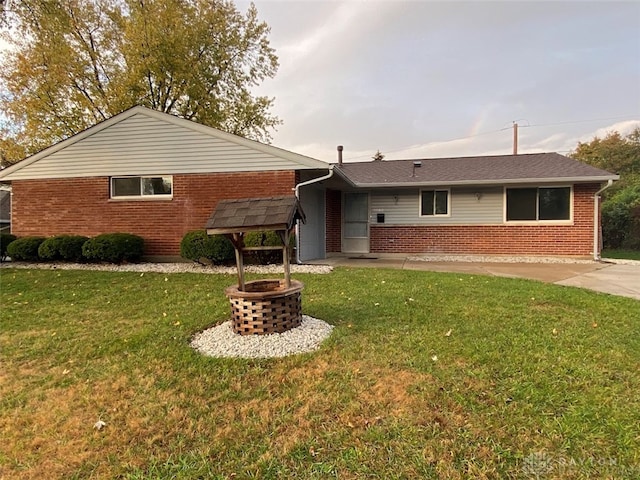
(511, 259)
(221, 341)
(169, 267)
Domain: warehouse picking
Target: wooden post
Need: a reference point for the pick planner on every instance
(284, 237)
(238, 244)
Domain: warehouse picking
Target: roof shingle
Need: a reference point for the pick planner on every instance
(251, 214)
(472, 170)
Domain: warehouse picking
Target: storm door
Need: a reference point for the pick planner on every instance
(355, 227)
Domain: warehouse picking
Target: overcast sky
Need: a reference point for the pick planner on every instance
(432, 79)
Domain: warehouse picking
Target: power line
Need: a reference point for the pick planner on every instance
(509, 128)
(439, 141)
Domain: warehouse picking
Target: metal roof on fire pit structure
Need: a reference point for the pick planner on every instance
(252, 214)
(233, 218)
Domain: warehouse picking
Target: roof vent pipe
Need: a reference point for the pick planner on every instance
(340, 149)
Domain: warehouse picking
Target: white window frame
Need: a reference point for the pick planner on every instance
(568, 221)
(435, 215)
(142, 196)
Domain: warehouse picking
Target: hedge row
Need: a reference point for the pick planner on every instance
(107, 247)
(218, 250)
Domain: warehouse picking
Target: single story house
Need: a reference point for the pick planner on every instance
(529, 204)
(160, 176)
(148, 173)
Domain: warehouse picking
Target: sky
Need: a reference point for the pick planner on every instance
(426, 79)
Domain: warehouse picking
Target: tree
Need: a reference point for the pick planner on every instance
(614, 153)
(621, 203)
(378, 157)
(74, 63)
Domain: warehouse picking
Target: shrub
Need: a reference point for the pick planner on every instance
(49, 249)
(113, 248)
(618, 218)
(25, 248)
(202, 248)
(265, 239)
(62, 247)
(71, 247)
(5, 240)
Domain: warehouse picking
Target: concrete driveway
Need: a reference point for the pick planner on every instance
(616, 279)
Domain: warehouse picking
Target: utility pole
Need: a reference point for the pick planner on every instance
(515, 138)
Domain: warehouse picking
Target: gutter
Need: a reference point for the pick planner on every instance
(596, 221)
(490, 182)
(297, 193)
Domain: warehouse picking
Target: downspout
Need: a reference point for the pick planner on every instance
(596, 221)
(297, 193)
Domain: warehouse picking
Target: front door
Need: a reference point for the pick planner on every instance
(355, 229)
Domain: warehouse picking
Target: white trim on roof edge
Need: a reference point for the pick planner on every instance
(304, 161)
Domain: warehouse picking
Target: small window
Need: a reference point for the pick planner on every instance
(534, 204)
(141, 187)
(434, 203)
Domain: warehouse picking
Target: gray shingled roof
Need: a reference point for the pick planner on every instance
(251, 214)
(499, 169)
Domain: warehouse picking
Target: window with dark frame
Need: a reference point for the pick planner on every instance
(434, 202)
(122, 187)
(535, 204)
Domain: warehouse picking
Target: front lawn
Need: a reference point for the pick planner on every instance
(426, 375)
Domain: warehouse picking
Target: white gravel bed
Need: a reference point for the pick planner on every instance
(497, 259)
(220, 341)
(169, 267)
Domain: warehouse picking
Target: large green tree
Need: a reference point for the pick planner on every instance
(74, 63)
(615, 153)
(621, 206)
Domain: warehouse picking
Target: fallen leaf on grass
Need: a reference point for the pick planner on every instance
(448, 334)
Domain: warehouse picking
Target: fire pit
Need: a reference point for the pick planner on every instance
(265, 306)
(260, 307)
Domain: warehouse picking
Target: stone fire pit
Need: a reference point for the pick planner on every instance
(265, 306)
(261, 307)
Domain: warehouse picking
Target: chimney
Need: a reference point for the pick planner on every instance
(340, 148)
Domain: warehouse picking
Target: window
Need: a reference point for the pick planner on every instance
(534, 204)
(434, 202)
(123, 187)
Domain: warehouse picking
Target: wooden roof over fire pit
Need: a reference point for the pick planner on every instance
(255, 214)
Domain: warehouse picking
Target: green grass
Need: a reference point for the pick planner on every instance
(624, 254)
(534, 380)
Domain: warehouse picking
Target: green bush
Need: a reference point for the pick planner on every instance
(5, 240)
(25, 249)
(265, 239)
(62, 247)
(202, 248)
(113, 248)
(618, 219)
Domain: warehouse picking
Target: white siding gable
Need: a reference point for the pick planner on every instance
(145, 142)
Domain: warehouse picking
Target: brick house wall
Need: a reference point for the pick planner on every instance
(82, 206)
(576, 239)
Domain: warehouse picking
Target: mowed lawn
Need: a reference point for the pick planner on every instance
(426, 375)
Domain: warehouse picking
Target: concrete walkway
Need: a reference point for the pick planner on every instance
(623, 280)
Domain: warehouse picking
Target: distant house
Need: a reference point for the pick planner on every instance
(5, 211)
(160, 176)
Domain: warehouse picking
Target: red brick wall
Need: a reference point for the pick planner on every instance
(576, 239)
(82, 206)
(334, 220)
